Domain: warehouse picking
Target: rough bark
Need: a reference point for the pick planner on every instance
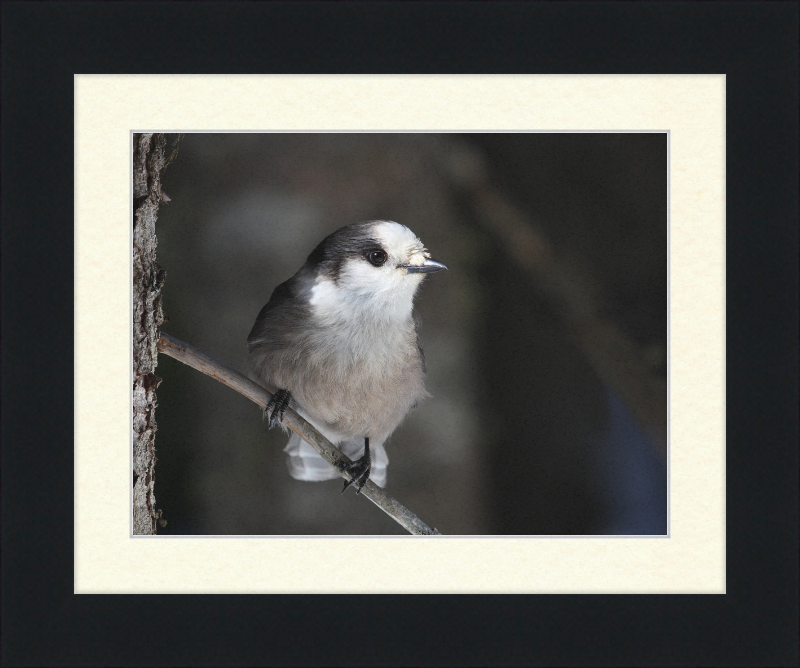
(148, 278)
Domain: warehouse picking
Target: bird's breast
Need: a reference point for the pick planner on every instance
(361, 380)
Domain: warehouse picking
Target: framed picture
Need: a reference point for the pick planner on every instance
(676, 552)
(496, 336)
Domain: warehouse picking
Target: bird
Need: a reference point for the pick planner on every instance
(340, 340)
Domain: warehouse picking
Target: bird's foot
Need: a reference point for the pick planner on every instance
(359, 470)
(278, 404)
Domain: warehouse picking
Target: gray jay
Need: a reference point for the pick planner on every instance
(340, 342)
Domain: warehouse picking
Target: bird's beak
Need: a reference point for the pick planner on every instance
(427, 267)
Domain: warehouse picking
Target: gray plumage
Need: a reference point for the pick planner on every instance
(342, 337)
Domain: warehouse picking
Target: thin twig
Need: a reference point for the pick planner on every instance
(188, 354)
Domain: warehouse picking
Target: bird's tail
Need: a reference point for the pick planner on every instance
(306, 464)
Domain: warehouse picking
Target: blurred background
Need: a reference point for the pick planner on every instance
(546, 340)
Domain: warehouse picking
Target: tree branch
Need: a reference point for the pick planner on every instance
(183, 352)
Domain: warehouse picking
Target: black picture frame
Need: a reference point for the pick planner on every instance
(753, 43)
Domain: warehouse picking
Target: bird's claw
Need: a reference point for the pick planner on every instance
(278, 404)
(359, 470)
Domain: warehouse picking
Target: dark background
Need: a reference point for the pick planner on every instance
(521, 436)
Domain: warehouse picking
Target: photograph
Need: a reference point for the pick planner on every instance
(477, 321)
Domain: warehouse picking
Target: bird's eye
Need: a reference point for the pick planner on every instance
(376, 257)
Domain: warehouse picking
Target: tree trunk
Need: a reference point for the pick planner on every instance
(148, 277)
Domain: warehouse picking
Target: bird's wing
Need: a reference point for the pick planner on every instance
(278, 308)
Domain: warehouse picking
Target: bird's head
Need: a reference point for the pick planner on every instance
(375, 265)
